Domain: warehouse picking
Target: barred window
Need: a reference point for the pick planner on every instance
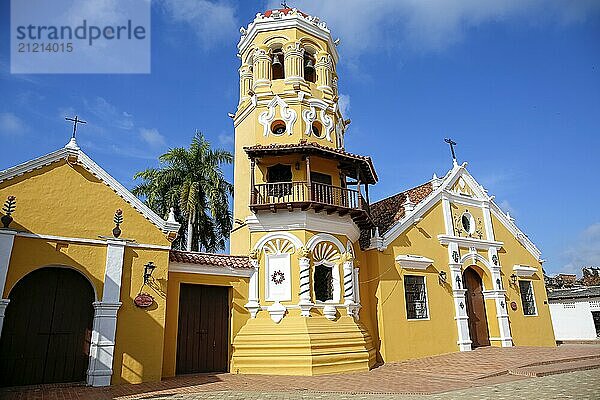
(527, 298)
(323, 281)
(416, 297)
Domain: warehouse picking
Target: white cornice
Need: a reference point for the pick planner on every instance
(524, 270)
(310, 25)
(466, 242)
(73, 154)
(410, 261)
(309, 220)
(103, 241)
(210, 270)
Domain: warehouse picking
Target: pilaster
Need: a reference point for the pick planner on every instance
(253, 304)
(7, 239)
(293, 57)
(262, 70)
(102, 344)
(458, 292)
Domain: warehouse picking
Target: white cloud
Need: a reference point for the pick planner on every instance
(432, 25)
(108, 115)
(226, 140)
(10, 124)
(506, 206)
(152, 137)
(214, 22)
(344, 103)
(585, 252)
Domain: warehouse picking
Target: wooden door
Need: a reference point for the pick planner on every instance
(203, 330)
(478, 328)
(47, 329)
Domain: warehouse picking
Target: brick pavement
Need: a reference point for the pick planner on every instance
(449, 372)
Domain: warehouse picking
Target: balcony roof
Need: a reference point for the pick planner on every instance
(348, 161)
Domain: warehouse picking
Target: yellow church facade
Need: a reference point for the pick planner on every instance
(320, 278)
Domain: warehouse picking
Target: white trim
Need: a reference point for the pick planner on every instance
(275, 235)
(467, 242)
(3, 305)
(325, 237)
(7, 239)
(205, 269)
(129, 243)
(524, 270)
(303, 220)
(336, 294)
(410, 261)
(73, 154)
(514, 229)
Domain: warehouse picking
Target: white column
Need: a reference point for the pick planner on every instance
(447, 214)
(305, 303)
(253, 304)
(102, 345)
(487, 221)
(7, 239)
(499, 296)
(348, 268)
(460, 305)
(356, 306)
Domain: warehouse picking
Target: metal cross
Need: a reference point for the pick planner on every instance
(75, 122)
(452, 143)
(284, 4)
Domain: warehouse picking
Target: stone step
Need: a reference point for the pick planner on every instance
(556, 368)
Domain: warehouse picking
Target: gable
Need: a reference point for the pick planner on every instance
(464, 194)
(68, 195)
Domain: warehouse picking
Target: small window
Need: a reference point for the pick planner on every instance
(468, 222)
(277, 68)
(316, 129)
(278, 128)
(416, 297)
(279, 173)
(527, 298)
(323, 279)
(309, 68)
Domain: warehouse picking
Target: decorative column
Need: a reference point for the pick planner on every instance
(356, 307)
(323, 69)
(293, 57)
(499, 296)
(262, 69)
(245, 82)
(7, 239)
(460, 305)
(253, 304)
(305, 302)
(102, 345)
(348, 268)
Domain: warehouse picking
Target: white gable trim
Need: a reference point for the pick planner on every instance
(72, 152)
(480, 198)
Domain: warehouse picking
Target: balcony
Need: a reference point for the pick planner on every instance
(316, 196)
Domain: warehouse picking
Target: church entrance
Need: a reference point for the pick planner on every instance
(478, 328)
(47, 329)
(203, 329)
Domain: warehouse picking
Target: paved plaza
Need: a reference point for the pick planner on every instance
(567, 371)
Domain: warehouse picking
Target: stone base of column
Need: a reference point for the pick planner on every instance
(3, 305)
(305, 307)
(102, 345)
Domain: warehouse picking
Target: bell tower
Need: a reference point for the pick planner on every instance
(300, 202)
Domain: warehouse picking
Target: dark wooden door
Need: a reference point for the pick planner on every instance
(47, 329)
(203, 331)
(478, 328)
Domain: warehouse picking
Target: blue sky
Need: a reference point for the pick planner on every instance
(515, 83)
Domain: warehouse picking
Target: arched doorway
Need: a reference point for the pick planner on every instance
(478, 327)
(47, 328)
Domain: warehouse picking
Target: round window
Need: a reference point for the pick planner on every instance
(278, 128)
(467, 222)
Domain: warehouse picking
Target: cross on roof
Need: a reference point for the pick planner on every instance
(452, 143)
(76, 121)
(284, 4)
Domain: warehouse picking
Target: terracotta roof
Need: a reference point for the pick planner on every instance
(285, 11)
(388, 211)
(365, 162)
(217, 260)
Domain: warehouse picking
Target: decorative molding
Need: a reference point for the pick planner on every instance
(288, 115)
(410, 261)
(55, 238)
(307, 220)
(524, 270)
(209, 270)
(467, 242)
(278, 235)
(325, 237)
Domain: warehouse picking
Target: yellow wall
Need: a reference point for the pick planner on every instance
(238, 314)
(65, 201)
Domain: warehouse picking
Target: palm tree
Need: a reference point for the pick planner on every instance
(192, 180)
